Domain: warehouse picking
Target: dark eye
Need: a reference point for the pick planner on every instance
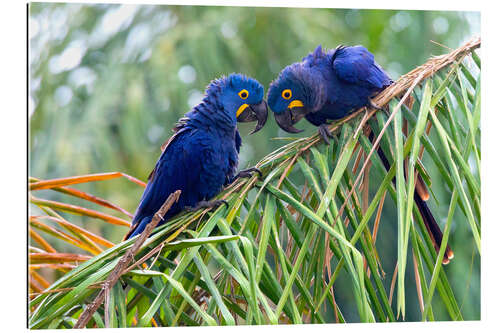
(286, 94)
(243, 94)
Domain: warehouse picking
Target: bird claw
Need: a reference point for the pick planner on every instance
(207, 204)
(325, 134)
(217, 203)
(247, 173)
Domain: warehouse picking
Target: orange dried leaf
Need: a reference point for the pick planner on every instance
(38, 278)
(76, 229)
(60, 267)
(58, 182)
(79, 211)
(53, 214)
(43, 243)
(91, 198)
(35, 223)
(35, 286)
(47, 258)
(35, 249)
(85, 196)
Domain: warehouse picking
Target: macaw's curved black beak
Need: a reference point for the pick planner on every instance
(289, 117)
(253, 112)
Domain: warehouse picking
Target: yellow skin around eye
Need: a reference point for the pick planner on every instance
(243, 94)
(286, 94)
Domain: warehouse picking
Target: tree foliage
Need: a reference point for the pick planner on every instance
(306, 243)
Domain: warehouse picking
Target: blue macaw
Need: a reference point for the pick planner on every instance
(202, 155)
(325, 85)
(329, 85)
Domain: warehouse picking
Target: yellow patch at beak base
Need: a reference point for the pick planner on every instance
(240, 109)
(295, 103)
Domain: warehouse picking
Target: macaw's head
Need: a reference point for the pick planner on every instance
(241, 99)
(297, 91)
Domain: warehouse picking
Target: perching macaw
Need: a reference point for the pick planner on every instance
(330, 85)
(202, 155)
(325, 85)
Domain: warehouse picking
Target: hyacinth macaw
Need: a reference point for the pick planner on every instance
(202, 155)
(324, 86)
(329, 85)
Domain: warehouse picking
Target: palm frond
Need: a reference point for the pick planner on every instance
(309, 226)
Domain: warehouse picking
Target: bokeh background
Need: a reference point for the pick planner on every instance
(108, 82)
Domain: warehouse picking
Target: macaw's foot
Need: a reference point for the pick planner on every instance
(247, 173)
(324, 132)
(207, 204)
(373, 106)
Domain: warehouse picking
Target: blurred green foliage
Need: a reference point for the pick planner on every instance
(108, 82)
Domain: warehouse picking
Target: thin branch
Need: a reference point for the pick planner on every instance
(125, 260)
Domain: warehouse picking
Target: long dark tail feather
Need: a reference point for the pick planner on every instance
(430, 223)
(433, 228)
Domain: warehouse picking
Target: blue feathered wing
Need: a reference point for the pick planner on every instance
(192, 161)
(168, 175)
(357, 65)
